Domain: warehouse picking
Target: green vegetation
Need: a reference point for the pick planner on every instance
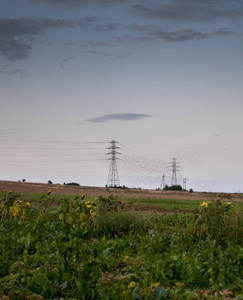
(72, 184)
(173, 188)
(172, 205)
(79, 248)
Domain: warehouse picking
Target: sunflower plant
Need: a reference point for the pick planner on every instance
(11, 207)
(210, 218)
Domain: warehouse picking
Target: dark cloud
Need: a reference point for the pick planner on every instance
(73, 3)
(109, 56)
(14, 49)
(188, 10)
(120, 117)
(181, 35)
(152, 33)
(17, 35)
(107, 27)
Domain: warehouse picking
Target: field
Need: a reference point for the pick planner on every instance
(137, 200)
(64, 242)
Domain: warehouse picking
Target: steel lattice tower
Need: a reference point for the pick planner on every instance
(162, 182)
(113, 178)
(184, 184)
(174, 167)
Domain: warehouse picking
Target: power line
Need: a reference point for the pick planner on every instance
(49, 161)
(49, 155)
(62, 142)
(40, 148)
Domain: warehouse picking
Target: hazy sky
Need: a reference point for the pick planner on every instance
(163, 78)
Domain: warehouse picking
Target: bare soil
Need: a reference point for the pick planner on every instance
(27, 187)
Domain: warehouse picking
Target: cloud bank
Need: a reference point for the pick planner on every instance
(70, 3)
(120, 117)
(18, 35)
(190, 10)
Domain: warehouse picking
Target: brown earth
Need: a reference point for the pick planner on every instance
(27, 187)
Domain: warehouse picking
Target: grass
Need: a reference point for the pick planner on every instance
(55, 198)
(166, 205)
(169, 204)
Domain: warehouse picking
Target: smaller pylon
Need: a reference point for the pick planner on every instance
(184, 184)
(162, 182)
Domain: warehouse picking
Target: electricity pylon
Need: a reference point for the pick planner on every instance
(174, 167)
(184, 184)
(162, 182)
(113, 178)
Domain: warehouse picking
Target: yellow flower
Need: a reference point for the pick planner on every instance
(19, 201)
(13, 211)
(204, 204)
(48, 193)
(132, 284)
(27, 204)
(89, 206)
(229, 203)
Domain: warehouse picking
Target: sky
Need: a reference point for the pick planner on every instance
(162, 78)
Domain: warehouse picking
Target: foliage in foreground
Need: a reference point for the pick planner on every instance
(95, 250)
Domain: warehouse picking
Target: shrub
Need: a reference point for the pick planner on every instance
(173, 188)
(72, 184)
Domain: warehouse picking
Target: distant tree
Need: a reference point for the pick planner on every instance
(173, 188)
(73, 184)
(23, 180)
(49, 182)
(191, 190)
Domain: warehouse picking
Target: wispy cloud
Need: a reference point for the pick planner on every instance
(64, 61)
(149, 33)
(181, 35)
(6, 133)
(7, 69)
(107, 27)
(71, 3)
(190, 10)
(119, 117)
(109, 56)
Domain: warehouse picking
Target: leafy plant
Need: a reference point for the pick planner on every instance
(92, 249)
(11, 207)
(213, 219)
